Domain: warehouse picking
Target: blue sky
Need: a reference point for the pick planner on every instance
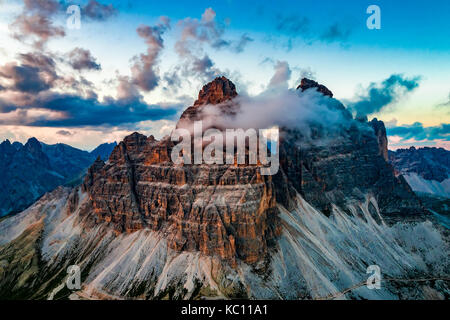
(326, 40)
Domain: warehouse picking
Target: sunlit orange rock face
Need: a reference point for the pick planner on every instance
(231, 211)
(224, 210)
(220, 93)
(215, 92)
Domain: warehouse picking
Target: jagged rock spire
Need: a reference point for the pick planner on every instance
(217, 91)
(308, 83)
(380, 133)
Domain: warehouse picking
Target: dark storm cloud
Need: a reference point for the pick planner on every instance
(418, 132)
(379, 95)
(6, 106)
(24, 78)
(35, 73)
(26, 86)
(78, 111)
(97, 11)
(81, 59)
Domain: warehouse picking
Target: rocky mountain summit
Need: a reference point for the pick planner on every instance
(141, 226)
(230, 210)
(351, 164)
(220, 93)
(308, 84)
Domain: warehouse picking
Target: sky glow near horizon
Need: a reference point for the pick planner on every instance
(250, 43)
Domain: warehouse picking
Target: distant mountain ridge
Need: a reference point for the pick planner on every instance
(104, 150)
(28, 171)
(427, 170)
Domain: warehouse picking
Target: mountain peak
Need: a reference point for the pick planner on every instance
(308, 83)
(33, 145)
(104, 150)
(217, 91)
(6, 146)
(135, 137)
(33, 140)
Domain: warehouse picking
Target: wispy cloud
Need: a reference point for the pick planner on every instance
(82, 59)
(37, 27)
(293, 25)
(336, 33)
(445, 105)
(95, 10)
(378, 95)
(64, 133)
(281, 76)
(418, 132)
(144, 73)
(298, 27)
(195, 35)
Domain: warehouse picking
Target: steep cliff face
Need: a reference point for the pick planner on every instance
(380, 133)
(314, 257)
(229, 210)
(222, 210)
(216, 92)
(340, 166)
